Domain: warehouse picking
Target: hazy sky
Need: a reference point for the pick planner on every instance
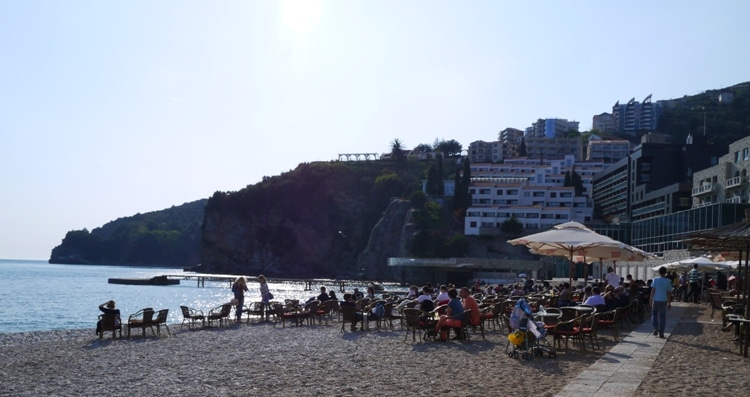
(111, 108)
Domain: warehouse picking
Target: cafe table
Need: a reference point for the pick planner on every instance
(744, 336)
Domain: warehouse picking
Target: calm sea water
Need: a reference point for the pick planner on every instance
(37, 296)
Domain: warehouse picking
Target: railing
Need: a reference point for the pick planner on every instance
(704, 204)
(708, 188)
(736, 181)
(734, 200)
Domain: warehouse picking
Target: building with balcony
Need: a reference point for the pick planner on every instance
(529, 190)
(634, 117)
(727, 181)
(485, 152)
(511, 139)
(654, 180)
(554, 148)
(608, 151)
(551, 128)
(604, 122)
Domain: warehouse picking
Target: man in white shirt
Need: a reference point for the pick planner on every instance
(612, 278)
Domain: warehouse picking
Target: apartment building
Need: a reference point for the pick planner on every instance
(551, 128)
(511, 139)
(481, 152)
(727, 181)
(634, 116)
(531, 190)
(554, 148)
(608, 151)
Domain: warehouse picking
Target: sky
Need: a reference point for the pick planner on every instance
(109, 109)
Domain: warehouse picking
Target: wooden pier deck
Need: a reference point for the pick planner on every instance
(201, 279)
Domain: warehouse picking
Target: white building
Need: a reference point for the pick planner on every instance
(530, 190)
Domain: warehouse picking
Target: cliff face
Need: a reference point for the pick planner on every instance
(314, 221)
(389, 238)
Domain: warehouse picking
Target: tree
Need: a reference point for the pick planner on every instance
(423, 148)
(567, 180)
(432, 181)
(577, 182)
(512, 227)
(439, 174)
(522, 148)
(466, 183)
(448, 148)
(397, 150)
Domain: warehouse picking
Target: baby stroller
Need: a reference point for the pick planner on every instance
(526, 336)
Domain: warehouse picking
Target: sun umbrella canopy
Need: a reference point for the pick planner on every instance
(572, 238)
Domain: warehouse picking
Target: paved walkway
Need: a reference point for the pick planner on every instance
(621, 370)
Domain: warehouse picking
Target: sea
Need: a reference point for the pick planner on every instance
(38, 296)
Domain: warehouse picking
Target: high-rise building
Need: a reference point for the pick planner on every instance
(634, 117)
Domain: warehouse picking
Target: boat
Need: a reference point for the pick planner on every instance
(156, 280)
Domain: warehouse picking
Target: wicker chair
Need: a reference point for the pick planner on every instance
(192, 316)
(141, 319)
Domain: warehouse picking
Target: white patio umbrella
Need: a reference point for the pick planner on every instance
(572, 238)
(704, 264)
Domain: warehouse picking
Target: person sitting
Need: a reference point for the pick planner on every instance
(424, 301)
(443, 297)
(322, 297)
(349, 302)
(469, 303)
(453, 316)
(107, 307)
(596, 299)
(517, 290)
(565, 298)
(332, 295)
(357, 295)
(615, 298)
(413, 292)
(371, 293)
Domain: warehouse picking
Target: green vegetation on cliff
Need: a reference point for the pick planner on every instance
(169, 237)
(312, 221)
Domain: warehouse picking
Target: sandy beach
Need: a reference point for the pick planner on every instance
(263, 359)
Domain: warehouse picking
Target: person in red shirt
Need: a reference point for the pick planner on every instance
(469, 303)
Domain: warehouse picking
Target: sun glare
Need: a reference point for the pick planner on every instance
(300, 15)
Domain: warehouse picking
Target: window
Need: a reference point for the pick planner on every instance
(745, 154)
(473, 224)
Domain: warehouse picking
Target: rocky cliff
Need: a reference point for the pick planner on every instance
(320, 220)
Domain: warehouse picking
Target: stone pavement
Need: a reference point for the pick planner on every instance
(621, 370)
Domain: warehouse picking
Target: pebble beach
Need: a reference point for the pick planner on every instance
(266, 359)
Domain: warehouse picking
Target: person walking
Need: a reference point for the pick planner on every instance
(694, 277)
(661, 301)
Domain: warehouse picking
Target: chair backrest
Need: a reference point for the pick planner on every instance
(715, 300)
(348, 313)
(411, 316)
(185, 311)
(161, 316)
(110, 321)
(568, 313)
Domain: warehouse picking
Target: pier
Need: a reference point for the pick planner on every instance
(201, 279)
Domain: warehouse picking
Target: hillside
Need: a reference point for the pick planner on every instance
(724, 122)
(313, 221)
(169, 237)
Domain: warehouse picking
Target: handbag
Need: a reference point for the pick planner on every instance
(270, 296)
(235, 302)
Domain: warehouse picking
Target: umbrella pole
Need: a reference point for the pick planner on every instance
(585, 271)
(601, 270)
(571, 269)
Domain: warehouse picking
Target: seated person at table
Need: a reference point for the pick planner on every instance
(517, 290)
(615, 298)
(477, 288)
(413, 292)
(469, 303)
(349, 302)
(322, 297)
(596, 299)
(424, 301)
(357, 294)
(443, 297)
(564, 299)
(453, 315)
